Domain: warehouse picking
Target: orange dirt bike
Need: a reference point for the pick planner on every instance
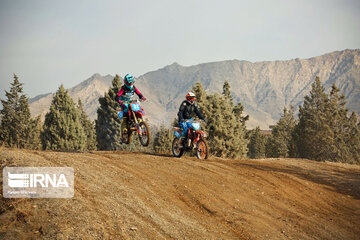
(195, 140)
(135, 123)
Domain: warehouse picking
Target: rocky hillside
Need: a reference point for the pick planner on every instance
(264, 88)
(88, 91)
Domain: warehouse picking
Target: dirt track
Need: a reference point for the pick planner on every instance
(136, 196)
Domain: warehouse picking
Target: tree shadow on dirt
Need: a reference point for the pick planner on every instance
(186, 154)
(342, 181)
(158, 154)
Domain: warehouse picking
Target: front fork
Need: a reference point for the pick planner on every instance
(193, 140)
(136, 123)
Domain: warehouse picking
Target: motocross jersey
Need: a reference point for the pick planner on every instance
(187, 111)
(125, 94)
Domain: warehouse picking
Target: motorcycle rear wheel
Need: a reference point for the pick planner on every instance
(202, 149)
(177, 147)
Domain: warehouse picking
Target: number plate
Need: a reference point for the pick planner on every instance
(177, 134)
(135, 107)
(121, 114)
(196, 126)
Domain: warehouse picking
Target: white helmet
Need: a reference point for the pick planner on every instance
(191, 97)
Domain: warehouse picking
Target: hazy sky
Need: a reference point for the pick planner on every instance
(50, 42)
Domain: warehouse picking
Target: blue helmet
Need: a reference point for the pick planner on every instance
(129, 81)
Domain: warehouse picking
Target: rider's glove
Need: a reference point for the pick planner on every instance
(143, 98)
(122, 105)
(204, 120)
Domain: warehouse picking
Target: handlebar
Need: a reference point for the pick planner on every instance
(132, 101)
(197, 121)
(137, 100)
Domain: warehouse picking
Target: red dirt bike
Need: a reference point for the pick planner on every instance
(135, 123)
(195, 140)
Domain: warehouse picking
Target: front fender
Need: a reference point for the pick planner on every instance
(203, 134)
(140, 114)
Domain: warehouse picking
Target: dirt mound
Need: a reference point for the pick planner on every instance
(135, 196)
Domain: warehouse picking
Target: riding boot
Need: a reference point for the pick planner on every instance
(188, 142)
(125, 124)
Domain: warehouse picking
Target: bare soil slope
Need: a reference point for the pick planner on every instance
(135, 196)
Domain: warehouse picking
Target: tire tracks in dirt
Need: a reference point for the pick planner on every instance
(108, 230)
(183, 194)
(133, 195)
(153, 224)
(193, 203)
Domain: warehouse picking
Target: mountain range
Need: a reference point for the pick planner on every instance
(264, 88)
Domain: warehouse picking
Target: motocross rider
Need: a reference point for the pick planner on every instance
(186, 111)
(125, 95)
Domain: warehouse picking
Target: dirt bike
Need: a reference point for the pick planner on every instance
(195, 140)
(135, 123)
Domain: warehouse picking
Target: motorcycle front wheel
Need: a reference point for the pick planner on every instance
(144, 135)
(177, 147)
(202, 149)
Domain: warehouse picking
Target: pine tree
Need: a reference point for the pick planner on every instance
(24, 115)
(175, 123)
(345, 145)
(256, 144)
(108, 124)
(324, 131)
(89, 128)
(200, 94)
(313, 132)
(225, 123)
(34, 134)
(215, 127)
(62, 129)
(352, 138)
(226, 92)
(281, 142)
(201, 98)
(15, 116)
(339, 125)
(239, 128)
(163, 140)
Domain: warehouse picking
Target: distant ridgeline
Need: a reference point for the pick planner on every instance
(264, 88)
